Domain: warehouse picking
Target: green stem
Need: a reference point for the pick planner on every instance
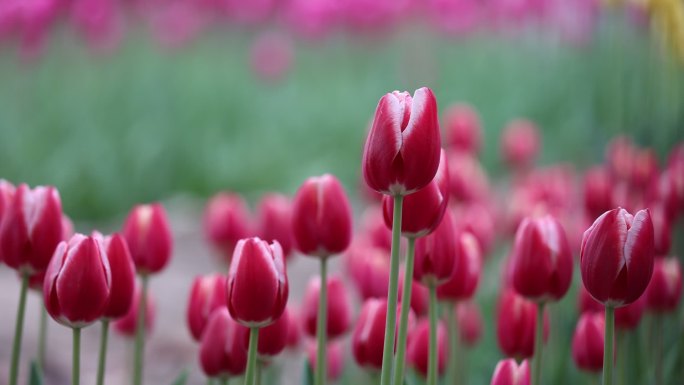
(400, 359)
(224, 380)
(322, 327)
(658, 352)
(103, 352)
(140, 334)
(18, 331)
(621, 346)
(250, 374)
(453, 373)
(257, 375)
(42, 335)
(76, 360)
(608, 345)
(391, 319)
(538, 345)
(432, 356)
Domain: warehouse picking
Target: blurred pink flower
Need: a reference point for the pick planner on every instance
(271, 56)
(99, 22)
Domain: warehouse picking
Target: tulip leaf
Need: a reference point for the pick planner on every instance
(182, 378)
(35, 374)
(307, 374)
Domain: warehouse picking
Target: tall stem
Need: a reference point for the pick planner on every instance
(432, 356)
(620, 365)
(103, 352)
(76, 360)
(658, 353)
(322, 327)
(391, 319)
(18, 331)
(538, 345)
(454, 375)
(140, 334)
(400, 359)
(608, 345)
(42, 335)
(250, 374)
(257, 375)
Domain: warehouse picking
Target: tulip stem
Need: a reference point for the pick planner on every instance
(608, 345)
(454, 373)
(432, 356)
(257, 375)
(391, 319)
(76, 361)
(103, 351)
(322, 327)
(18, 330)
(224, 380)
(658, 353)
(538, 345)
(140, 334)
(400, 359)
(250, 374)
(42, 335)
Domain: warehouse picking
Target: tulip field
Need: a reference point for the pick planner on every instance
(352, 192)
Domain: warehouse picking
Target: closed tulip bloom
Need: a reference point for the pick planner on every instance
(275, 221)
(149, 238)
(272, 338)
(123, 276)
(516, 321)
(420, 295)
(644, 167)
(520, 144)
(436, 254)
(7, 190)
(374, 230)
(463, 128)
(321, 217)
(628, 317)
(598, 192)
(508, 372)
(77, 282)
(665, 290)
(470, 322)
(620, 155)
(294, 332)
(31, 228)
(226, 221)
(334, 356)
(423, 210)
(587, 342)
(257, 283)
(586, 303)
(662, 230)
(401, 154)
(468, 181)
(128, 324)
(339, 307)
(467, 270)
(222, 349)
(208, 293)
(480, 220)
(542, 260)
(369, 269)
(617, 256)
(417, 351)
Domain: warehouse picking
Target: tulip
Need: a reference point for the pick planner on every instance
(420, 297)
(463, 128)
(644, 168)
(520, 144)
(508, 372)
(369, 331)
(6, 194)
(271, 56)
(598, 192)
(369, 270)
(628, 317)
(294, 333)
(273, 338)
(334, 357)
(374, 229)
(436, 255)
(421, 354)
(275, 221)
(478, 219)
(257, 291)
(128, 325)
(662, 229)
(458, 18)
(226, 221)
(620, 155)
(586, 303)
(222, 352)
(467, 270)
(339, 310)
(99, 23)
(208, 293)
(665, 289)
(587, 342)
(467, 179)
(516, 323)
(470, 323)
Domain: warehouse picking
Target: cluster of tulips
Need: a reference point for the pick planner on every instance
(432, 204)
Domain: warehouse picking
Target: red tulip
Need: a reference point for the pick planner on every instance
(420, 295)
(508, 372)
(467, 270)
(467, 179)
(257, 283)
(478, 219)
(662, 229)
(423, 210)
(516, 324)
(418, 342)
(321, 217)
(463, 128)
(665, 290)
(123, 276)
(617, 256)
(598, 192)
(374, 230)
(272, 338)
(587, 342)
(586, 303)
(275, 221)
(334, 356)
(148, 236)
(542, 260)
(294, 333)
(339, 307)
(77, 282)
(470, 323)
(644, 168)
(31, 228)
(208, 293)
(99, 22)
(520, 144)
(222, 351)
(620, 155)
(436, 254)
(401, 154)
(628, 317)
(128, 324)
(369, 268)
(6, 194)
(226, 221)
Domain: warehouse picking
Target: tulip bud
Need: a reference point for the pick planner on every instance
(226, 221)
(436, 254)
(31, 228)
(401, 154)
(208, 293)
(620, 155)
(628, 317)
(508, 372)
(123, 276)
(321, 217)
(294, 333)
(587, 342)
(467, 270)
(467, 179)
(542, 260)
(617, 256)
(420, 295)
(149, 238)
(374, 230)
(339, 307)
(77, 282)
(598, 192)
(644, 168)
(128, 324)
(520, 144)
(665, 290)
(516, 324)
(369, 269)
(662, 230)
(222, 350)
(6, 194)
(257, 283)
(463, 128)
(275, 221)
(470, 322)
(272, 338)
(334, 356)
(479, 220)
(423, 210)
(418, 347)
(271, 56)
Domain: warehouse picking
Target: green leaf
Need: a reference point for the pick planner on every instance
(35, 374)
(182, 378)
(307, 375)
